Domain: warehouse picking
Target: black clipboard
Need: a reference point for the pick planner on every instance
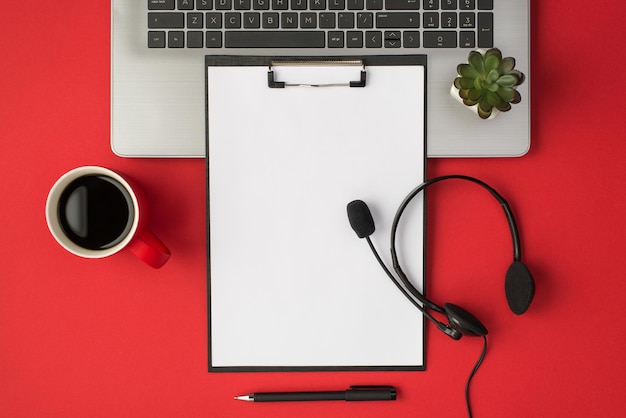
(282, 163)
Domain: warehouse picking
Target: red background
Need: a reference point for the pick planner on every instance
(114, 338)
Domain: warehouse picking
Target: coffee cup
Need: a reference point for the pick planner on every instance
(94, 212)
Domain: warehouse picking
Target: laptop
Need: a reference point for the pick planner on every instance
(158, 49)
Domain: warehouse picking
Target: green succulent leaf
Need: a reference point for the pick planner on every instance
(507, 64)
(457, 83)
(495, 52)
(474, 94)
(475, 59)
(493, 98)
(506, 93)
(520, 76)
(463, 83)
(503, 106)
(493, 87)
(466, 70)
(492, 63)
(492, 76)
(517, 97)
(507, 80)
(484, 108)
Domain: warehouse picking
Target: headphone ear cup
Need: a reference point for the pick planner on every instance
(464, 321)
(519, 287)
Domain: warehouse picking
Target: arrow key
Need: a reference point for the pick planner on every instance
(411, 39)
(373, 39)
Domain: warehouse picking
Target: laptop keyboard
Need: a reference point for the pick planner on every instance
(320, 23)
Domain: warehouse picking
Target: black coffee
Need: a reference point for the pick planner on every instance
(96, 212)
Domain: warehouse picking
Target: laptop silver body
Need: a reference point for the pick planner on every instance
(158, 95)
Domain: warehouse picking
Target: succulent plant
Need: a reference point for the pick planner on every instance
(489, 81)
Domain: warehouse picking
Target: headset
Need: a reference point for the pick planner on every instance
(519, 284)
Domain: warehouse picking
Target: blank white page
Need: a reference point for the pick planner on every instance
(290, 283)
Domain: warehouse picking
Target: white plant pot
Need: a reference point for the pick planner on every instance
(454, 92)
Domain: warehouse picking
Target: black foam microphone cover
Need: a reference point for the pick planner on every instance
(519, 287)
(360, 218)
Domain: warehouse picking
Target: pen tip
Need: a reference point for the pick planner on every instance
(244, 398)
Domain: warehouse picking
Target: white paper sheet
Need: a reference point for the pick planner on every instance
(291, 285)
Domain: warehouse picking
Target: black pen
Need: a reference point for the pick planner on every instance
(355, 393)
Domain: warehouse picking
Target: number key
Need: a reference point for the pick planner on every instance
(431, 4)
(467, 4)
(448, 4)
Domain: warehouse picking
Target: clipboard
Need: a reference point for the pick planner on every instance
(290, 141)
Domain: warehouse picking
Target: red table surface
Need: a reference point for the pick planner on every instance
(115, 338)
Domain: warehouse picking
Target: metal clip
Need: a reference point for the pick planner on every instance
(273, 83)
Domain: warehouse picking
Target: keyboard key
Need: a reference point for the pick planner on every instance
(448, 20)
(195, 39)
(356, 4)
(327, 21)
(335, 39)
(289, 20)
(232, 20)
(195, 20)
(467, 4)
(345, 20)
(336, 4)
(411, 39)
(308, 20)
(467, 39)
(431, 20)
(213, 39)
(156, 39)
(176, 39)
(355, 39)
(392, 34)
(280, 4)
(223, 4)
(161, 4)
(242, 4)
(166, 20)
(213, 20)
(485, 30)
(485, 4)
(365, 20)
(431, 4)
(270, 20)
(468, 20)
(375, 4)
(440, 39)
(253, 21)
(274, 39)
(448, 4)
(204, 4)
(398, 20)
(318, 4)
(401, 5)
(261, 4)
(185, 4)
(373, 39)
(298, 4)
